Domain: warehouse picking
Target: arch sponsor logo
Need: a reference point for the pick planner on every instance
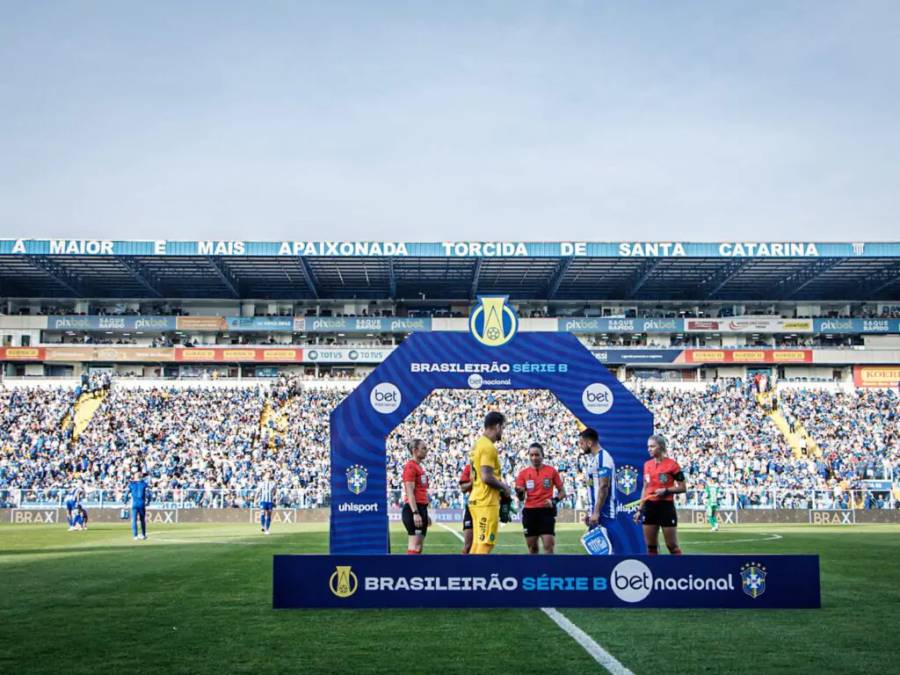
(385, 398)
(475, 381)
(632, 581)
(493, 322)
(597, 398)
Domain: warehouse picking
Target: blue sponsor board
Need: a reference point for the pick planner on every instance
(687, 581)
(612, 325)
(113, 323)
(856, 326)
(362, 324)
(260, 323)
(641, 356)
(449, 249)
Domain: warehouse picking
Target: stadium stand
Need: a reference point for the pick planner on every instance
(209, 447)
(204, 362)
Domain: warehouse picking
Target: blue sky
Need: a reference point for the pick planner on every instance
(450, 120)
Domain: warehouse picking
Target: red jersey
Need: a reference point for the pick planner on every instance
(414, 473)
(661, 475)
(538, 485)
(466, 475)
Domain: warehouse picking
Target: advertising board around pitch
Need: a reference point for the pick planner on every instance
(689, 581)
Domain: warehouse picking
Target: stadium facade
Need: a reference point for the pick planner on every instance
(663, 310)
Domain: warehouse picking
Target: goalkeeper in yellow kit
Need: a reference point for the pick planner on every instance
(488, 491)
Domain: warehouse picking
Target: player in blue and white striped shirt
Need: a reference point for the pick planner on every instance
(599, 474)
(74, 509)
(266, 495)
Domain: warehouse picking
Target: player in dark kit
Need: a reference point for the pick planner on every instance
(535, 485)
(415, 494)
(663, 479)
(465, 485)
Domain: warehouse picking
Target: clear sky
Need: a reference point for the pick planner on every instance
(604, 120)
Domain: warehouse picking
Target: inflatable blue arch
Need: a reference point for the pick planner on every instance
(486, 359)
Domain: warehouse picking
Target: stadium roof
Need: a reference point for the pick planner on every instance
(637, 271)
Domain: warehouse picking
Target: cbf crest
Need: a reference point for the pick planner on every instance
(357, 479)
(493, 322)
(626, 479)
(753, 579)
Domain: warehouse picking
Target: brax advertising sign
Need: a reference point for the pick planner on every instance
(698, 581)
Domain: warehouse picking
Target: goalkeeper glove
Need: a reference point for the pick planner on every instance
(505, 509)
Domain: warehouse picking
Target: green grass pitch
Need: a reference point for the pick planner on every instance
(197, 598)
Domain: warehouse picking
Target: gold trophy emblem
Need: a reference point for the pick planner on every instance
(343, 582)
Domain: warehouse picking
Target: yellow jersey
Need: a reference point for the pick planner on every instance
(484, 454)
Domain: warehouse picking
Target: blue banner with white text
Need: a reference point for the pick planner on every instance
(620, 325)
(856, 326)
(688, 581)
(362, 324)
(111, 323)
(450, 249)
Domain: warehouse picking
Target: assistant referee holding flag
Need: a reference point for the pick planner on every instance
(487, 488)
(663, 479)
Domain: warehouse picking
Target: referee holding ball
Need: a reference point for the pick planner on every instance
(535, 484)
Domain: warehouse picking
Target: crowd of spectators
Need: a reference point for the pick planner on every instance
(209, 446)
(34, 439)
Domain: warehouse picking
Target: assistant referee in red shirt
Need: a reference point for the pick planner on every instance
(535, 485)
(663, 479)
(415, 493)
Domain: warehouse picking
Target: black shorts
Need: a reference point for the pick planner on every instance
(467, 519)
(538, 522)
(408, 520)
(660, 513)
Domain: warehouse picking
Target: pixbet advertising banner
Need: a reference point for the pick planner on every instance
(112, 323)
(617, 325)
(689, 581)
(361, 324)
(855, 326)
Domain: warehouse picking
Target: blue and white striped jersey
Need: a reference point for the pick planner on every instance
(600, 466)
(266, 491)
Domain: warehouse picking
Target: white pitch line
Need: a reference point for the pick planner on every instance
(452, 531)
(600, 655)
